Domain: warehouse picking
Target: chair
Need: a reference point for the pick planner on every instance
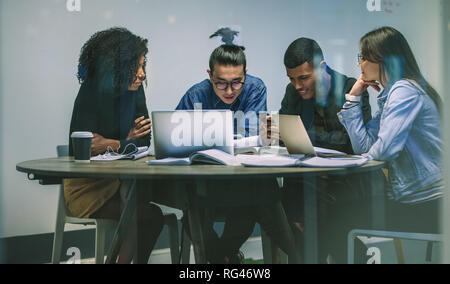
(63, 217)
(397, 236)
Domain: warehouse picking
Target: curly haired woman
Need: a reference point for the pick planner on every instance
(111, 104)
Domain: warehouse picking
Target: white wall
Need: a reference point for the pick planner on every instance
(41, 40)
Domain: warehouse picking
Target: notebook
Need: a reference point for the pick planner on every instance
(211, 156)
(134, 154)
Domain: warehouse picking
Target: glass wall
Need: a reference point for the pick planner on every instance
(40, 44)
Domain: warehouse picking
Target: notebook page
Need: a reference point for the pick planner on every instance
(215, 155)
(170, 161)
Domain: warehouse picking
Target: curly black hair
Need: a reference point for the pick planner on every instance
(111, 58)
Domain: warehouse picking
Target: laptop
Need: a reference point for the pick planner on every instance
(295, 136)
(179, 133)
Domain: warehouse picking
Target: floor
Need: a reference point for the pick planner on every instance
(252, 250)
(414, 252)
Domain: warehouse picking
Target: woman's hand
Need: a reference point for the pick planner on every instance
(361, 86)
(269, 133)
(101, 144)
(141, 128)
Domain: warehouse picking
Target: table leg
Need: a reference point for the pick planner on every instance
(195, 224)
(125, 219)
(141, 255)
(378, 200)
(311, 221)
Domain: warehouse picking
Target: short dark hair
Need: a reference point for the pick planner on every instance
(303, 50)
(228, 55)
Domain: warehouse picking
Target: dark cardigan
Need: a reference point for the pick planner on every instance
(110, 115)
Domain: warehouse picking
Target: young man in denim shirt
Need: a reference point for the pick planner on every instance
(229, 87)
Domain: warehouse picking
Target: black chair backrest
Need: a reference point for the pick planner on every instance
(62, 150)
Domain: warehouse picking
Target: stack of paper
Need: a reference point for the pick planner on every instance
(137, 153)
(318, 162)
(269, 160)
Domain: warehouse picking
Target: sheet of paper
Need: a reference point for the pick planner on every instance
(252, 141)
(325, 151)
(268, 160)
(113, 156)
(107, 157)
(215, 155)
(170, 161)
(274, 150)
(318, 162)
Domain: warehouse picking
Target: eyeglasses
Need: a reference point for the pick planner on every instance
(360, 58)
(235, 86)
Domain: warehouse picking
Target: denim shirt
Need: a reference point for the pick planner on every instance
(246, 107)
(406, 132)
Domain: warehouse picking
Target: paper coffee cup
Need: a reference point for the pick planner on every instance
(81, 143)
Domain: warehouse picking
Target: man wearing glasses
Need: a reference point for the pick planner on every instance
(229, 87)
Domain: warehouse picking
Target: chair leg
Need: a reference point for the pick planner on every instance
(266, 247)
(100, 235)
(283, 257)
(398, 244)
(186, 248)
(58, 241)
(429, 256)
(171, 221)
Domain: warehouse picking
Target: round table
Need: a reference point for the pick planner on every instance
(53, 170)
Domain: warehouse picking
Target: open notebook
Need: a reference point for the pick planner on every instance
(211, 156)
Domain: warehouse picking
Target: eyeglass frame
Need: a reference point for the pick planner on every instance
(228, 84)
(361, 58)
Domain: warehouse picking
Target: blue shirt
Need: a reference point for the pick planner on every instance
(406, 132)
(246, 107)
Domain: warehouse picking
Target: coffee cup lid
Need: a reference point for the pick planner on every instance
(82, 134)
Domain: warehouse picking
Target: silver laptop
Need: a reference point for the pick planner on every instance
(295, 136)
(180, 133)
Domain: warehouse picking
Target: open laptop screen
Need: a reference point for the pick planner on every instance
(180, 133)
